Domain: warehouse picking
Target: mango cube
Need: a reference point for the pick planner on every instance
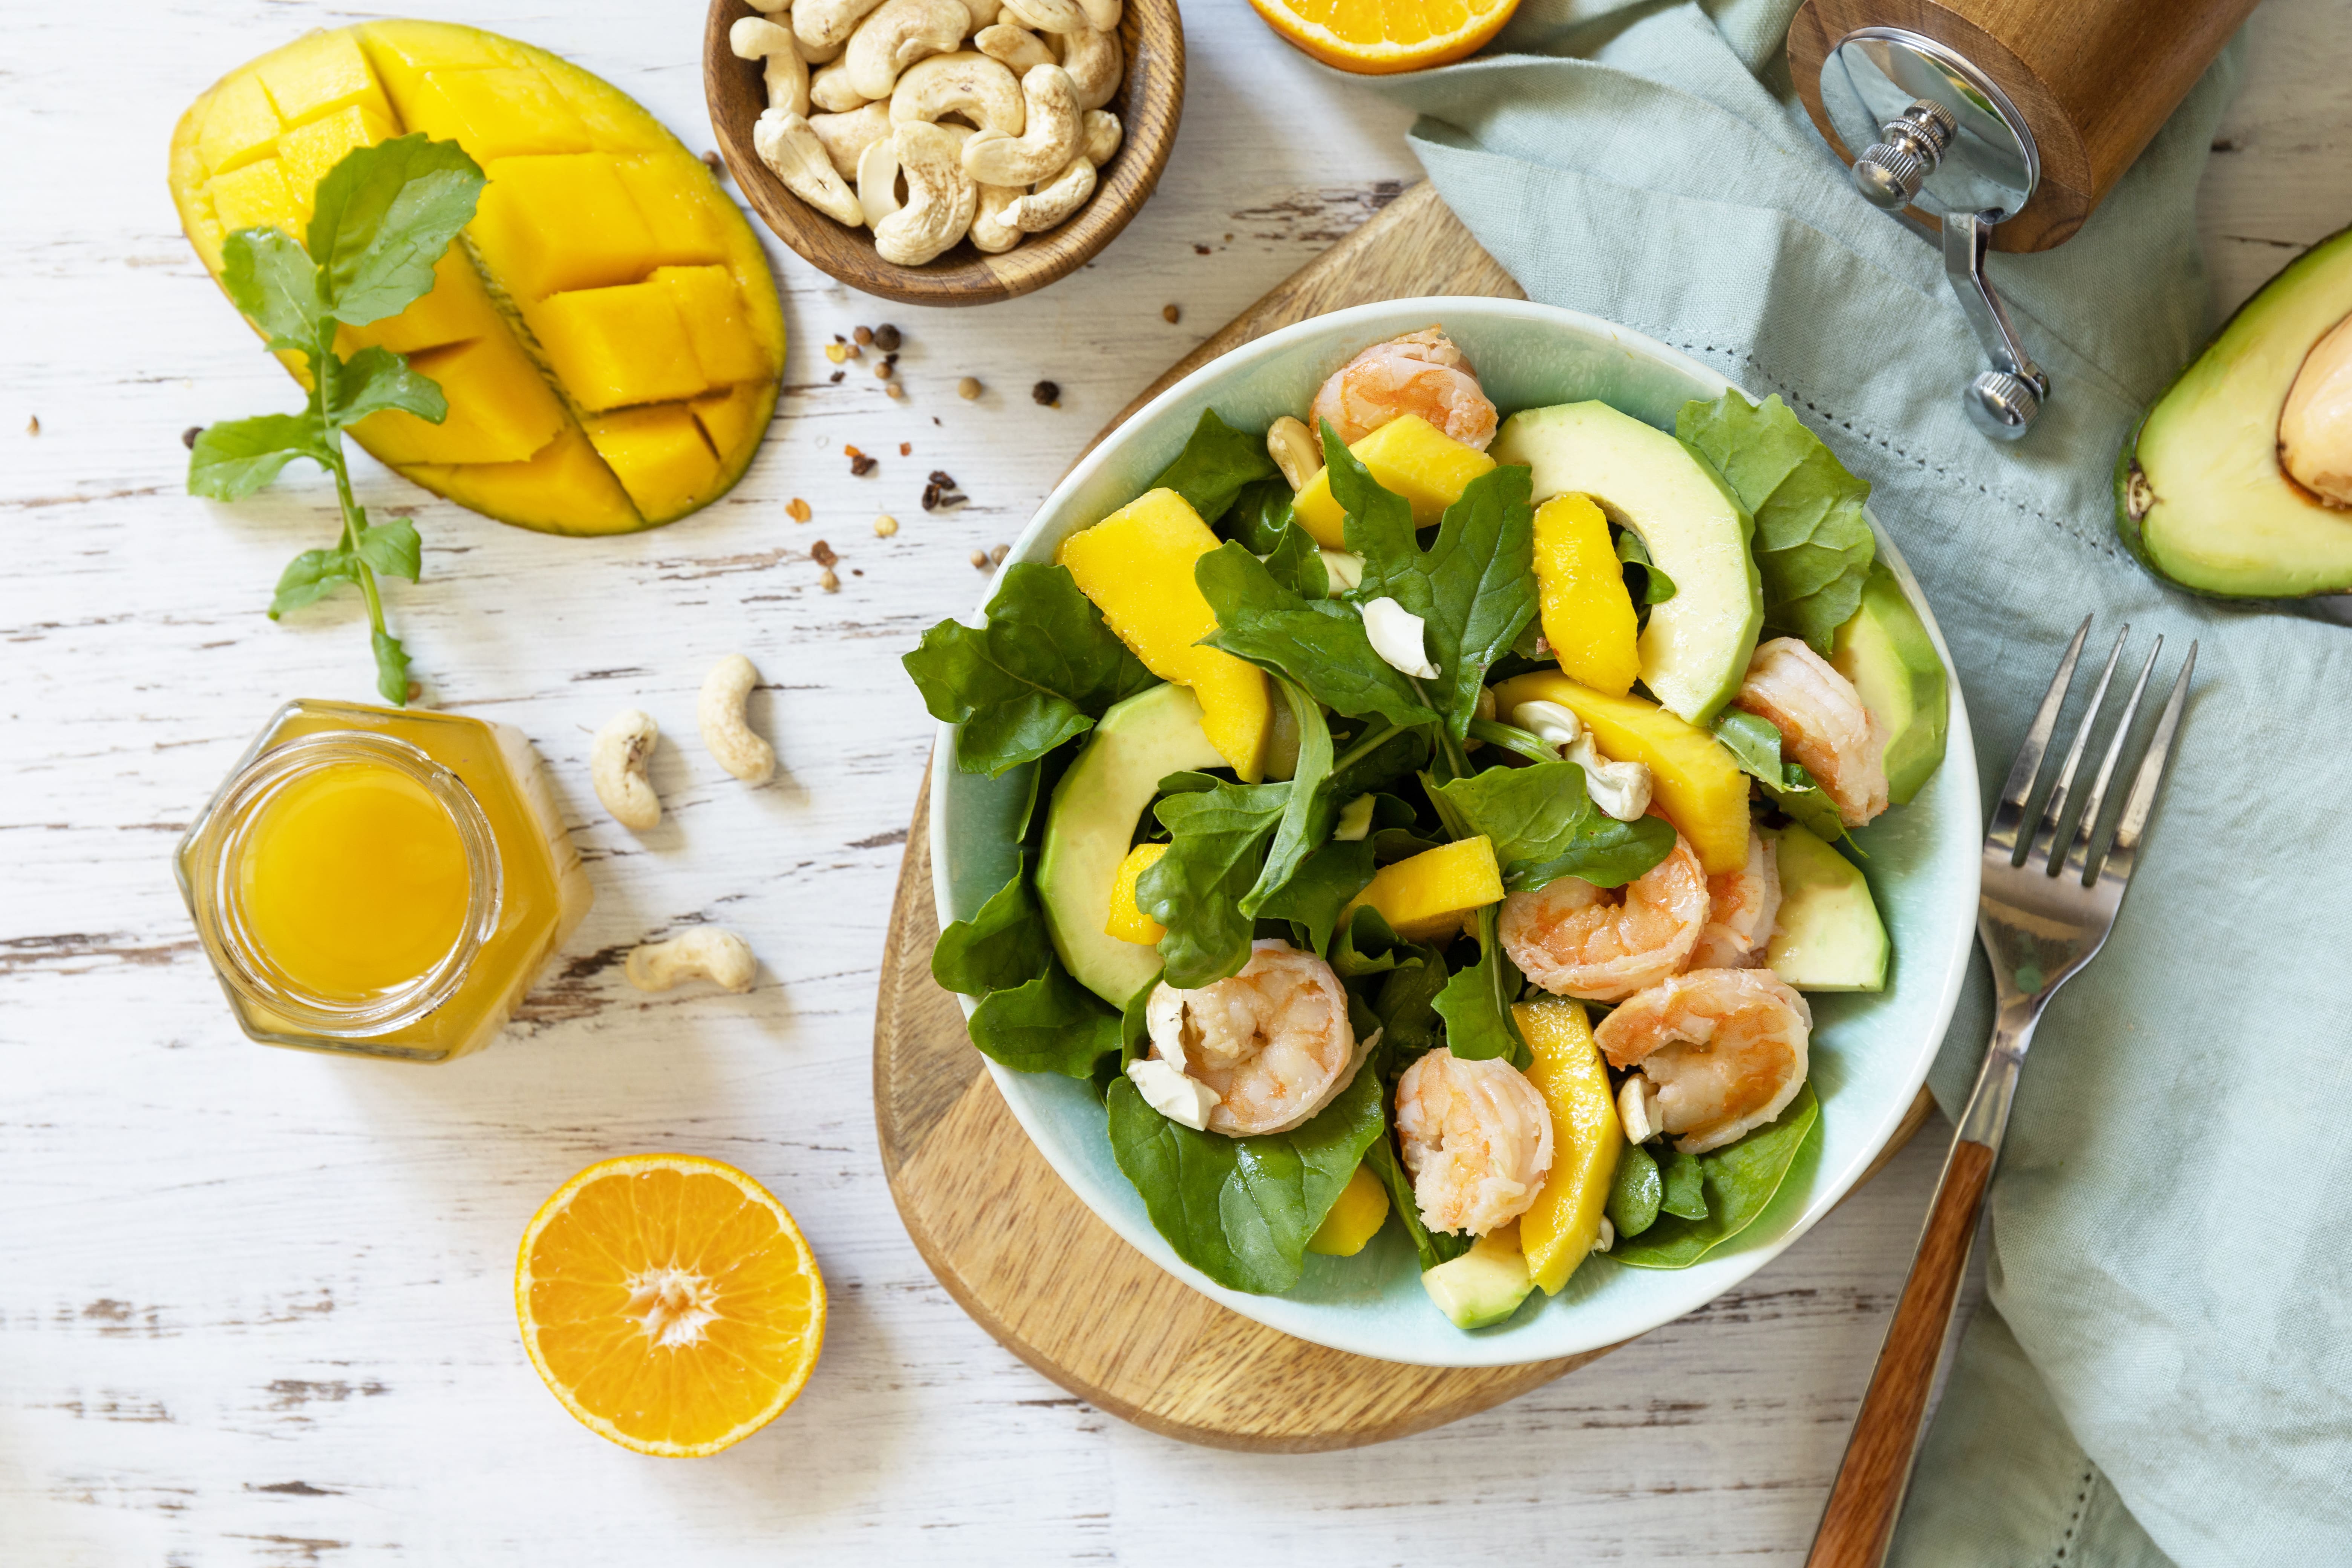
(500, 410)
(711, 311)
(240, 125)
(1407, 454)
(658, 454)
(728, 417)
(562, 223)
(682, 221)
(1127, 921)
(1588, 615)
(504, 112)
(1558, 1231)
(256, 196)
(403, 52)
(307, 152)
(318, 74)
(614, 347)
(1137, 566)
(1426, 895)
(563, 488)
(1355, 1216)
(457, 308)
(1693, 781)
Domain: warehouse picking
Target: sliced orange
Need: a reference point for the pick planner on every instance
(669, 1302)
(1378, 38)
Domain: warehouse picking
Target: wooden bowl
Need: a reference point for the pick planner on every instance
(1149, 98)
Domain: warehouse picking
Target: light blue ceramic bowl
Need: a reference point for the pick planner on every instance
(1870, 1054)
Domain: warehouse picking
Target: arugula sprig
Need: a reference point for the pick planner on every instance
(380, 221)
(1754, 743)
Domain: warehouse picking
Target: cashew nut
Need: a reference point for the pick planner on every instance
(1053, 201)
(983, 12)
(819, 54)
(1047, 16)
(878, 180)
(847, 135)
(756, 38)
(1046, 143)
(725, 731)
(830, 90)
(1294, 450)
(616, 765)
(1016, 46)
(706, 952)
(1094, 61)
(982, 89)
(827, 24)
(786, 144)
(771, 6)
(940, 197)
(1099, 134)
(898, 35)
(992, 230)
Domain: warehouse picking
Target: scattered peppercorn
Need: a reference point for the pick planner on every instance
(863, 335)
(996, 556)
(188, 437)
(906, 448)
(716, 164)
(1200, 250)
(980, 559)
(797, 509)
(885, 526)
(822, 553)
(893, 389)
(968, 388)
(1170, 314)
(1046, 392)
(886, 336)
(835, 377)
(828, 582)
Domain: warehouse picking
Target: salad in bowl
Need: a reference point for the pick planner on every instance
(1421, 830)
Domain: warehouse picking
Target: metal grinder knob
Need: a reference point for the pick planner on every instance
(1891, 170)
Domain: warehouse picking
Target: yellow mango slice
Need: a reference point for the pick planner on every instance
(1137, 566)
(1426, 895)
(1354, 1218)
(1558, 1232)
(587, 192)
(1693, 779)
(1588, 615)
(1127, 921)
(1407, 454)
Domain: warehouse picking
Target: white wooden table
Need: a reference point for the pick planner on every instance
(257, 1304)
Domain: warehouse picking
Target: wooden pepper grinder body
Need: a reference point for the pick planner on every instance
(2092, 78)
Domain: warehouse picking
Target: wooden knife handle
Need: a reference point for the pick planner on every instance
(1859, 1522)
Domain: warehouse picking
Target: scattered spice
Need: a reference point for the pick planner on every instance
(887, 338)
(906, 448)
(943, 491)
(860, 464)
(858, 572)
(888, 367)
(1200, 250)
(188, 437)
(1046, 392)
(33, 425)
(980, 559)
(1172, 314)
(968, 388)
(797, 509)
(893, 389)
(716, 164)
(838, 351)
(863, 335)
(829, 582)
(822, 553)
(835, 377)
(885, 526)
(996, 556)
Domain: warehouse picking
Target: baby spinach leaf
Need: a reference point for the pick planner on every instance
(1309, 813)
(1241, 1210)
(1041, 670)
(1650, 585)
(1218, 462)
(1814, 545)
(1474, 587)
(1365, 945)
(1754, 743)
(1636, 1193)
(1296, 562)
(1051, 1023)
(1739, 1180)
(1545, 826)
(270, 279)
(1476, 1003)
(1682, 1185)
(1406, 999)
(1315, 893)
(381, 219)
(1259, 515)
(1003, 945)
(1217, 844)
(235, 457)
(1435, 1247)
(1318, 643)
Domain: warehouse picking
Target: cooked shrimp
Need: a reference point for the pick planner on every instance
(1272, 1043)
(1420, 373)
(1741, 907)
(1605, 943)
(1476, 1138)
(1725, 1048)
(1822, 725)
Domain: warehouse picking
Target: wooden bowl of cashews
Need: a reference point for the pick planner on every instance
(945, 151)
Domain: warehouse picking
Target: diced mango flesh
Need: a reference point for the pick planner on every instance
(1428, 894)
(1127, 921)
(1693, 781)
(1558, 1231)
(1407, 454)
(1354, 1218)
(1588, 615)
(677, 344)
(1137, 566)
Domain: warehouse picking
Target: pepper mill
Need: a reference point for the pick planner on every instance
(2001, 124)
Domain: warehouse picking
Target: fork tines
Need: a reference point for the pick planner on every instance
(2043, 850)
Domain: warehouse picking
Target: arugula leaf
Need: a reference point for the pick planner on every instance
(1739, 1179)
(1259, 515)
(1435, 1247)
(1545, 826)
(1314, 892)
(375, 379)
(1477, 1003)
(1318, 643)
(1814, 545)
(1296, 562)
(1754, 743)
(391, 668)
(1365, 945)
(268, 278)
(1043, 669)
(1241, 1210)
(1003, 945)
(234, 458)
(380, 220)
(1309, 813)
(311, 576)
(1406, 1003)
(1654, 586)
(1217, 843)
(1051, 1023)
(392, 548)
(1218, 462)
(1474, 587)
(1636, 1193)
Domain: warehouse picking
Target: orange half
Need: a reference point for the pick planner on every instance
(1379, 38)
(670, 1303)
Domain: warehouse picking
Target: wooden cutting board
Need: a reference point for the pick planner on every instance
(1004, 1234)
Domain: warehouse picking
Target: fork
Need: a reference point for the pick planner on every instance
(2045, 910)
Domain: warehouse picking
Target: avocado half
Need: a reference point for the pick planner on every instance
(2200, 498)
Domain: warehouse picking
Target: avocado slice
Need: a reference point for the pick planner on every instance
(1887, 654)
(1091, 825)
(1486, 1284)
(2200, 496)
(1696, 649)
(1829, 936)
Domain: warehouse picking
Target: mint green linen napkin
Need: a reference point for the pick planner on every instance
(2172, 1352)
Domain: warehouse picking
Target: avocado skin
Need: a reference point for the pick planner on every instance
(2128, 528)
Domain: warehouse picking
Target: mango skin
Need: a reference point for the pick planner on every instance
(1407, 454)
(1693, 778)
(1426, 895)
(1588, 615)
(1137, 566)
(1558, 1231)
(1354, 1218)
(249, 151)
(1127, 921)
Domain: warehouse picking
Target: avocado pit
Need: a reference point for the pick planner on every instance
(2315, 429)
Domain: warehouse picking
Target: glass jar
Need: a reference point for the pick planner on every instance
(381, 883)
